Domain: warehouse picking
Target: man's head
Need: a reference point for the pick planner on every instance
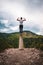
(21, 18)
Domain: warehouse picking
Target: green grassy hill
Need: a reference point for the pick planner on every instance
(11, 40)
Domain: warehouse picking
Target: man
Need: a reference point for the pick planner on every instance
(20, 19)
(21, 23)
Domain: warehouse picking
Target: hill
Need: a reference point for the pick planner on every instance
(31, 40)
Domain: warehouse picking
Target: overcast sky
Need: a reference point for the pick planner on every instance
(32, 10)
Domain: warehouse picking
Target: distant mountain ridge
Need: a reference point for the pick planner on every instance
(28, 34)
(24, 32)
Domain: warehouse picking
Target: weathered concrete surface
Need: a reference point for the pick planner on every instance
(28, 56)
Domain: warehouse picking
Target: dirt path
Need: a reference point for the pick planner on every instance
(21, 46)
(28, 56)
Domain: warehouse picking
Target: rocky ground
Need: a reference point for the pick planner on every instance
(28, 56)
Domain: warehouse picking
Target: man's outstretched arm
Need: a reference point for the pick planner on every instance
(18, 19)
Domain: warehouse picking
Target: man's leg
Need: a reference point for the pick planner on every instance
(21, 28)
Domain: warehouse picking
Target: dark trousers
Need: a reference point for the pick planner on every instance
(21, 28)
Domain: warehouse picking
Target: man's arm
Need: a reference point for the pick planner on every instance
(24, 19)
(18, 19)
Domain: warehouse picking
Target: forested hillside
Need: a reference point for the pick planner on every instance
(31, 40)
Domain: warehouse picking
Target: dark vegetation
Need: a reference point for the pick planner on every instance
(31, 40)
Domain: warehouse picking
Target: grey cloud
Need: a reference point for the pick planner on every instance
(2, 26)
(35, 28)
(35, 2)
(29, 5)
(5, 16)
(34, 5)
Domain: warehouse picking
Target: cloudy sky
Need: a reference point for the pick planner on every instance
(32, 10)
